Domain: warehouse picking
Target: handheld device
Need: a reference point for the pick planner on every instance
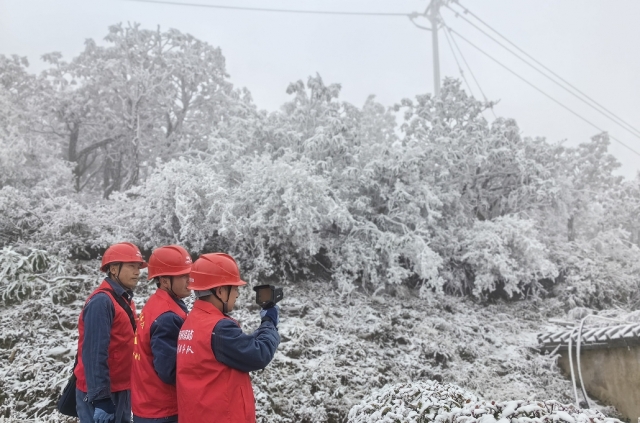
(268, 295)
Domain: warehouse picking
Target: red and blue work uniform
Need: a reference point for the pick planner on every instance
(214, 361)
(153, 378)
(105, 350)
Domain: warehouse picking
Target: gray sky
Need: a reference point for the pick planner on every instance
(593, 44)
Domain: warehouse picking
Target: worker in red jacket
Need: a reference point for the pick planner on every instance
(105, 343)
(214, 355)
(153, 380)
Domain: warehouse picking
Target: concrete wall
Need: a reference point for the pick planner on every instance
(612, 375)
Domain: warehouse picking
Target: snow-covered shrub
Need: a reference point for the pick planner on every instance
(63, 223)
(419, 402)
(27, 210)
(377, 257)
(601, 271)
(424, 402)
(36, 273)
(38, 343)
(282, 215)
(177, 204)
(505, 253)
(272, 214)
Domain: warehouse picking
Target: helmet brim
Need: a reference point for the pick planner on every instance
(143, 264)
(214, 284)
(178, 272)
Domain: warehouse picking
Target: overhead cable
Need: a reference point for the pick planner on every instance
(446, 35)
(589, 101)
(262, 9)
(468, 67)
(452, 31)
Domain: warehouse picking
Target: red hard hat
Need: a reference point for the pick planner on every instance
(170, 260)
(213, 270)
(123, 252)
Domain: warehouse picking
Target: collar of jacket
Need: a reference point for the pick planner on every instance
(165, 295)
(126, 293)
(207, 307)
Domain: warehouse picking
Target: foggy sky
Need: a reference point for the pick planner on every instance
(594, 44)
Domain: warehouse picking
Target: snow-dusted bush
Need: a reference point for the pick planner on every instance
(601, 271)
(62, 223)
(38, 343)
(272, 214)
(35, 273)
(410, 402)
(447, 201)
(424, 402)
(505, 253)
(41, 299)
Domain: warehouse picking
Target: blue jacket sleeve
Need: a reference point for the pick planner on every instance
(241, 351)
(164, 345)
(98, 317)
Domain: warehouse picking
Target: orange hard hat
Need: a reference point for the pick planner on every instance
(123, 252)
(213, 270)
(170, 260)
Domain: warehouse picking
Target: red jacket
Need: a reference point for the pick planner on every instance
(209, 391)
(120, 346)
(150, 397)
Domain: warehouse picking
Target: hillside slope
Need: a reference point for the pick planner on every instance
(334, 351)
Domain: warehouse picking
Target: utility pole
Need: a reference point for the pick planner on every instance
(432, 13)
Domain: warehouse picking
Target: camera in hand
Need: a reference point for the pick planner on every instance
(268, 295)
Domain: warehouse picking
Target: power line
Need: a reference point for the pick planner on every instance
(596, 106)
(452, 31)
(446, 35)
(262, 9)
(468, 67)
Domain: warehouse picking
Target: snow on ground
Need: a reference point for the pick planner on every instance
(432, 401)
(334, 352)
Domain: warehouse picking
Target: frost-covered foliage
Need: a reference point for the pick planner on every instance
(144, 139)
(41, 297)
(62, 223)
(425, 402)
(446, 202)
(506, 251)
(420, 402)
(334, 351)
(27, 157)
(601, 270)
(36, 273)
(37, 345)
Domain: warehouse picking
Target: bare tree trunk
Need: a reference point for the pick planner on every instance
(72, 154)
(571, 231)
